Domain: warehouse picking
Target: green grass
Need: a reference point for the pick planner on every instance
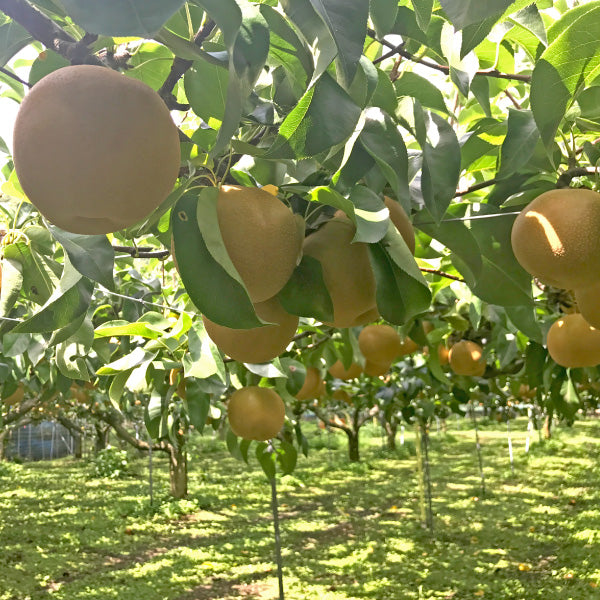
(349, 531)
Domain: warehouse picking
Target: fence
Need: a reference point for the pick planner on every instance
(42, 441)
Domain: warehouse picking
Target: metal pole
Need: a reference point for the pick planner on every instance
(150, 478)
(510, 447)
(41, 429)
(29, 441)
(478, 447)
(425, 439)
(420, 472)
(529, 430)
(402, 435)
(278, 558)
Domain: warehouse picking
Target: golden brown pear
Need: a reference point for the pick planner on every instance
(342, 396)
(313, 385)
(379, 343)
(262, 237)
(408, 346)
(16, 397)
(259, 344)
(588, 302)
(555, 238)
(338, 370)
(400, 219)
(347, 272)
(256, 413)
(573, 342)
(443, 353)
(95, 151)
(466, 358)
(374, 369)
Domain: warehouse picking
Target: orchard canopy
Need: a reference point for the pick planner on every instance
(458, 112)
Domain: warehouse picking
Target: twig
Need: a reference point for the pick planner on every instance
(399, 49)
(441, 274)
(565, 178)
(49, 33)
(512, 99)
(179, 67)
(143, 252)
(14, 76)
(475, 187)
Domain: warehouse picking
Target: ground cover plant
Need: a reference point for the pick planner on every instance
(350, 530)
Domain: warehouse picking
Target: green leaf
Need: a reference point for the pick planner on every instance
(535, 359)
(305, 293)
(13, 37)
(347, 23)
(530, 19)
(309, 128)
(248, 53)
(402, 292)
(38, 278)
(467, 12)
(266, 458)
(414, 86)
(203, 358)
(382, 140)
(210, 287)
(151, 63)
(524, 318)
(130, 361)
(12, 282)
(122, 17)
(370, 215)
(288, 51)
(383, 15)
(118, 328)
(315, 32)
(480, 87)
(287, 457)
(473, 35)
(92, 255)
(570, 61)
(71, 362)
(226, 14)
(520, 142)
(67, 303)
(423, 10)
(117, 387)
(482, 253)
(197, 405)
(462, 66)
(441, 165)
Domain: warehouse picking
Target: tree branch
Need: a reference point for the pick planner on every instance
(399, 49)
(477, 186)
(143, 252)
(14, 76)
(179, 67)
(116, 422)
(565, 178)
(441, 274)
(49, 33)
(25, 407)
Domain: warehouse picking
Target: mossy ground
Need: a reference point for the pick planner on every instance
(349, 531)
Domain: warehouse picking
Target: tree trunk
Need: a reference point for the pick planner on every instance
(3, 443)
(75, 432)
(102, 434)
(390, 433)
(178, 472)
(547, 428)
(353, 447)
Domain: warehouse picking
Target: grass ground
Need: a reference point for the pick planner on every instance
(350, 531)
